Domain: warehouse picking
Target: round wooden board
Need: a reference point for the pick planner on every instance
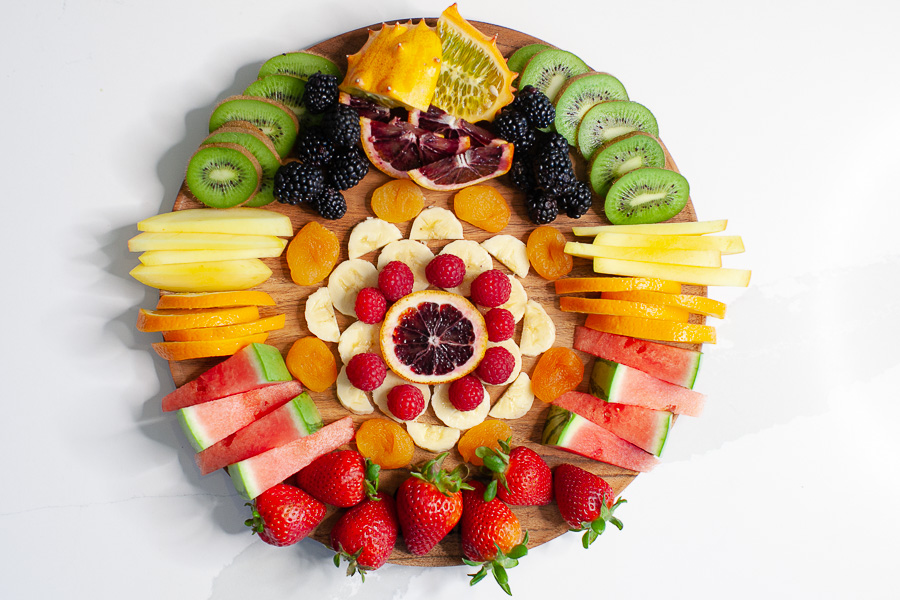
(543, 523)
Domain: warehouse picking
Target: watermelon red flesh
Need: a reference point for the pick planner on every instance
(669, 363)
(568, 431)
(645, 428)
(207, 423)
(622, 384)
(255, 475)
(251, 367)
(294, 420)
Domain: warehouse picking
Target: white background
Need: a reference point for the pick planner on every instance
(783, 116)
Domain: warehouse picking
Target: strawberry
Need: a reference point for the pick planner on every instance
(365, 535)
(491, 536)
(284, 515)
(429, 505)
(524, 477)
(340, 478)
(585, 501)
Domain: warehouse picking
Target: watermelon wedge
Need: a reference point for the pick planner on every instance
(622, 384)
(292, 421)
(207, 423)
(255, 475)
(669, 363)
(568, 431)
(251, 367)
(644, 427)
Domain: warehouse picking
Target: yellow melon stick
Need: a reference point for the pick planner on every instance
(694, 304)
(697, 258)
(680, 273)
(219, 276)
(625, 308)
(151, 240)
(726, 244)
(176, 257)
(240, 219)
(571, 285)
(687, 228)
(652, 329)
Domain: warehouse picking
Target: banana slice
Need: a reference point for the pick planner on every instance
(538, 331)
(450, 416)
(436, 223)
(510, 251)
(320, 318)
(379, 395)
(413, 254)
(347, 279)
(517, 354)
(477, 262)
(371, 234)
(434, 438)
(352, 398)
(518, 298)
(358, 338)
(516, 400)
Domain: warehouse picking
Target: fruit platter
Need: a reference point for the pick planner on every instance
(427, 263)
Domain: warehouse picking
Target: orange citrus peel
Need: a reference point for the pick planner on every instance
(652, 329)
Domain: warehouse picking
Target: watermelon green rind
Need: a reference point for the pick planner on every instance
(619, 383)
(272, 363)
(193, 429)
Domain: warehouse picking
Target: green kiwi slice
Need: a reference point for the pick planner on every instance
(622, 155)
(274, 119)
(609, 120)
(299, 64)
(286, 89)
(549, 69)
(647, 195)
(249, 137)
(222, 175)
(581, 93)
(518, 59)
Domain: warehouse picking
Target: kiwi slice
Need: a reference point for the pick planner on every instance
(299, 64)
(581, 93)
(274, 119)
(517, 61)
(549, 69)
(223, 175)
(286, 89)
(622, 155)
(647, 195)
(609, 120)
(249, 137)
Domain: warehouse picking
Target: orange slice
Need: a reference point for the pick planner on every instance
(167, 320)
(652, 329)
(624, 308)
(694, 304)
(216, 300)
(615, 284)
(225, 332)
(204, 349)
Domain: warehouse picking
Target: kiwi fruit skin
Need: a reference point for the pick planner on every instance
(609, 120)
(549, 69)
(622, 155)
(299, 64)
(249, 137)
(232, 191)
(647, 195)
(518, 59)
(274, 119)
(581, 93)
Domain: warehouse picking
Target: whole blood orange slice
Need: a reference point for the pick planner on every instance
(433, 337)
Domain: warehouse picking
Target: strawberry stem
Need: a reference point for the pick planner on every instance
(594, 529)
(498, 566)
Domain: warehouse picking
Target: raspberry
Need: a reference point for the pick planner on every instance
(445, 271)
(491, 288)
(406, 402)
(395, 280)
(501, 325)
(496, 366)
(370, 305)
(466, 393)
(366, 371)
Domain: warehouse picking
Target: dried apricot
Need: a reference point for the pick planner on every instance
(487, 433)
(312, 254)
(398, 201)
(385, 443)
(482, 206)
(311, 361)
(546, 252)
(558, 371)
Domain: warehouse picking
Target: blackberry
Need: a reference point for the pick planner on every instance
(313, 147)
(347, 169)
(577, 202)
(341, 125)
(553, 143)
(521, 173)
(331, 204)
(542, 208)
(513, 127)
(535, 106)
(321, 93)
(553, 173)
(298, 183)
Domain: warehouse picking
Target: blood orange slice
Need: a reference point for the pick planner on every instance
(465, 169)
(449, 126)
(433, 337)
(396, 147)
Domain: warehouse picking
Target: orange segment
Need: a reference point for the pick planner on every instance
(201, 334)
(653, 329)
(694, 304)
(216, 299)
(311, 361)
(487, 433)
(623, 308)
(204, 349)
(546, 253)
(558, 371)
(312, 254)
(615, 284)
(178, 318)
(483, 207)
(385, 443)
(398, 201)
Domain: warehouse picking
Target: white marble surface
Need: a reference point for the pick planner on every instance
(783, 115)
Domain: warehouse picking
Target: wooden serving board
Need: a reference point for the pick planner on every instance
(543, 523)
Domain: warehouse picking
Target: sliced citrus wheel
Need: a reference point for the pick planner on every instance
(216, 300)
(615, 284)
(694, 304)
(624, 308)
(224, 332)
(652, 329)
(205, 349)
(433, 337)
(468, 168)
(178, 318)
(397, 146)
